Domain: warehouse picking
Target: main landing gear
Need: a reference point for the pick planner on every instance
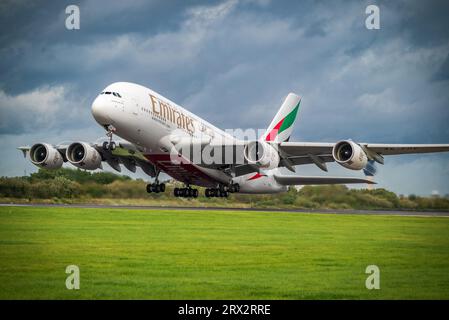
(222, 191)
(216, 192)
(186, 192)
(156, 187)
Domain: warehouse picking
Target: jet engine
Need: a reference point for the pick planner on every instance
(84, 156)
(261, 154)
(350, 155)
(46, 156)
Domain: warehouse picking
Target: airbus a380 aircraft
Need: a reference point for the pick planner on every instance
(161, 136)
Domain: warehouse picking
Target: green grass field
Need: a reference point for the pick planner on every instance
(181, 254)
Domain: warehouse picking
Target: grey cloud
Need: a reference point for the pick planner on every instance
(45, 108)
(442, 74)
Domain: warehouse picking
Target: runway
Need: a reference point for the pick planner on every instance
(308, 211)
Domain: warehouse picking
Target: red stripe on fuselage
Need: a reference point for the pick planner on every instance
(256, 176)
(181, 170)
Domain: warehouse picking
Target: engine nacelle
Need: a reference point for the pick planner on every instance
(261, 154)
(350, 155)
(46, 156)
(83, 156)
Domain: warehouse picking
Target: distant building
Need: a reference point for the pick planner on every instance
(435, 194)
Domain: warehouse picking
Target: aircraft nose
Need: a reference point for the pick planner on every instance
(100, 111)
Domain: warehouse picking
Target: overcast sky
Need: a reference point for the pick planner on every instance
(232, 63)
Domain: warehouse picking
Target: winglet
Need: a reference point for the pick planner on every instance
(24, 150)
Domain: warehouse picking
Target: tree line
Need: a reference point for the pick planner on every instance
(75, 185)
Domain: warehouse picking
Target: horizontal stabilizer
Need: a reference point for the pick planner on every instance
(304, 180)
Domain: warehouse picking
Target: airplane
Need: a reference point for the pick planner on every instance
(158, 135)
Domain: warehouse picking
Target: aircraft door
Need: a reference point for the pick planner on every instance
(134, 107)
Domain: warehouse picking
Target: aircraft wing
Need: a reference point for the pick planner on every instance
(394, 149)
(125, 153)
(300, 153)
(288, 180)
(320, 153)
(321, 149)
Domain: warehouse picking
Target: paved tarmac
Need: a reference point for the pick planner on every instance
(355, 212)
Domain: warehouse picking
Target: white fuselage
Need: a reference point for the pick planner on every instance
(147, 119)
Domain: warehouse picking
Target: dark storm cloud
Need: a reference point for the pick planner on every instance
(388, 85)
(34, 50)
(442, 73)
(424, 23)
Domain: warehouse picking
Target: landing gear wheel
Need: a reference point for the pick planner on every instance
(156, 188)
(185, 192)
(234, 187)
(216, 192)
(109, 146)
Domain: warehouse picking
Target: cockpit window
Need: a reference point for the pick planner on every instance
(116, 94)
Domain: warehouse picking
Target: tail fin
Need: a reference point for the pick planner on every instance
(281, 126)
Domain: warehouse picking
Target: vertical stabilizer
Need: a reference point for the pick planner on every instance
(281, 126)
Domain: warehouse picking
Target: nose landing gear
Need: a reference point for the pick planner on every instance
(109, 145)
